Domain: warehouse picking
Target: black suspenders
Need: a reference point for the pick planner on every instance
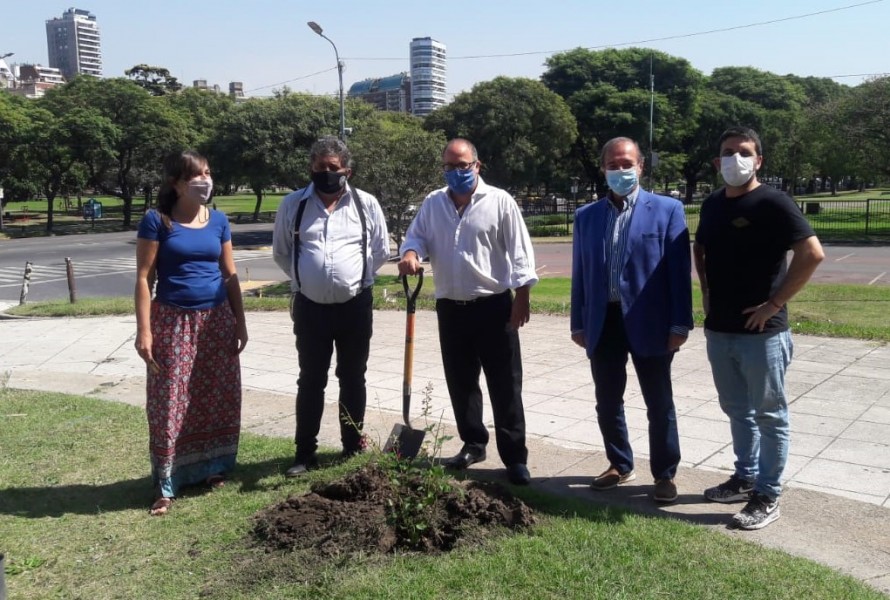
(361, 215)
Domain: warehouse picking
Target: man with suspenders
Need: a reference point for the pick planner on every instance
(330, 239)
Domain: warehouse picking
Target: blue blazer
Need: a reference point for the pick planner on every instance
(656, 277)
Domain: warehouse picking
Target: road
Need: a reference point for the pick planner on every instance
(865, 265)
(105, 263)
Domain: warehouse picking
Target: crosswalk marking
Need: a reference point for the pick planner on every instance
(57, 270)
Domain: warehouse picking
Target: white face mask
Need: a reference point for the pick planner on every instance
(737, 170)
(200, 189)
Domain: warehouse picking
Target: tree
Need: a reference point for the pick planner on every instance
(867, 112)
(716, 113)
(398, 162)
(14, 122)
(521, 129)
(609, 92)
(157, 81)
(145, 129)
(266, 141)
(55, 145)
(781, 130)
(203, 109)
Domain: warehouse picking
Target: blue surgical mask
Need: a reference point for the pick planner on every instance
(461, 181)
(622, 181)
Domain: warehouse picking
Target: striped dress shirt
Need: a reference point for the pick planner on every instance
(617, 228)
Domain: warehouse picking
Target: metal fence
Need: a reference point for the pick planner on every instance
(865, 220)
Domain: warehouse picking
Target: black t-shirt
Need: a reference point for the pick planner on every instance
(746, 240)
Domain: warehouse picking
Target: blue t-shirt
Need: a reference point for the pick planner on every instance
(188, 260)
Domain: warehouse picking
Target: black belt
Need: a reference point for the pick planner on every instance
(361, 294)
(477, 300)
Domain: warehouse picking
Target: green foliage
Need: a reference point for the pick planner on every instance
(108, 136)
(157, 81)
(421, 481)
(399, 185)
(609, 94)
(522, 130)
(143, 129)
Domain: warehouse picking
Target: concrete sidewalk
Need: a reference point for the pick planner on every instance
(836, 508)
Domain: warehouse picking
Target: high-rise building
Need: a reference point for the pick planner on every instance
(73, 44)
(236, 90)
(391, 93)
(427, 59)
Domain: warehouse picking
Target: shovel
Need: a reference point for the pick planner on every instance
(404, 440)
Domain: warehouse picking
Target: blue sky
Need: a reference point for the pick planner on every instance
(267, 42)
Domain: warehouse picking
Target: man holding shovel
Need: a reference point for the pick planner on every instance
(484, 267)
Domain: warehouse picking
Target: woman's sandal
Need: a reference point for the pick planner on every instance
(160, 506)
(216, 481)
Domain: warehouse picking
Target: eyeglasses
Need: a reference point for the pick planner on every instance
(462, 166)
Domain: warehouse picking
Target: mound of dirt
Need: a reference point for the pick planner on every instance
(365, 511)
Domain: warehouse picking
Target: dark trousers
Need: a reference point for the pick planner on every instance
(609, 368)
(319, 329)
(476, 337)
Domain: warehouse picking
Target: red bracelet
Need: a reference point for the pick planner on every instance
(771, 301)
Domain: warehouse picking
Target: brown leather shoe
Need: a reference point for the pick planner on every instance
(611, 478)
(665, 491)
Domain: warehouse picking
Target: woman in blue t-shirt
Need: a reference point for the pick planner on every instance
(190, 333)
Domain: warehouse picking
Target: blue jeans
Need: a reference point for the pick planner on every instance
(749, 373)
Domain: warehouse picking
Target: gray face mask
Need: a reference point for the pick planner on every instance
(737, 170)
(201, 189)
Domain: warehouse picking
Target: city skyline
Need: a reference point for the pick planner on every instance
(269, 45)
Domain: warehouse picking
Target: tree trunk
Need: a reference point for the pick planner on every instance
(127, 197)
(50, 203)
(259, 203)
(691, 182)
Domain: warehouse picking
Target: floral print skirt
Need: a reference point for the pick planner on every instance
(194, 402)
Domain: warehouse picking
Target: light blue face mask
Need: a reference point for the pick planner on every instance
(622, 181)
(461, 181)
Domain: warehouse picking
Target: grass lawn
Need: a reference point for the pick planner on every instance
(854, 311)
(74, 492)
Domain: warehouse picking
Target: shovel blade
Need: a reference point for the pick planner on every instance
(404, 441)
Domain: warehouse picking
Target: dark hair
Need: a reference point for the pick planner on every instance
(746, 133)
(179, 166)
(331, 146)
(614, 142)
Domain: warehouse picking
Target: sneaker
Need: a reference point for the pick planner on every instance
(760, 511)
(665, 491)
(735, 489)
(611, 478)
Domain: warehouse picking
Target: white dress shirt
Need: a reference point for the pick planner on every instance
(484, 251)
(330, 259)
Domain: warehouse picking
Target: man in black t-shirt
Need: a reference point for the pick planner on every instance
(744, 234)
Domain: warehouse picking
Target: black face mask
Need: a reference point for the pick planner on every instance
(328, 182)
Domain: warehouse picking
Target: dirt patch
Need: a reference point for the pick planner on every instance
(366, 511)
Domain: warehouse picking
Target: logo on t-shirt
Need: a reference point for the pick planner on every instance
(740, 222)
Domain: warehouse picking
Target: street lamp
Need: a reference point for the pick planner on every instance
(317, 29)
(3, 56)
(574, 200)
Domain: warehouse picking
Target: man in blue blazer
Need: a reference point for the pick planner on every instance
(632, 294)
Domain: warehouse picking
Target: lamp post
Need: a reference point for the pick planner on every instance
(3, 56)
(317, 29)
(574, 200)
